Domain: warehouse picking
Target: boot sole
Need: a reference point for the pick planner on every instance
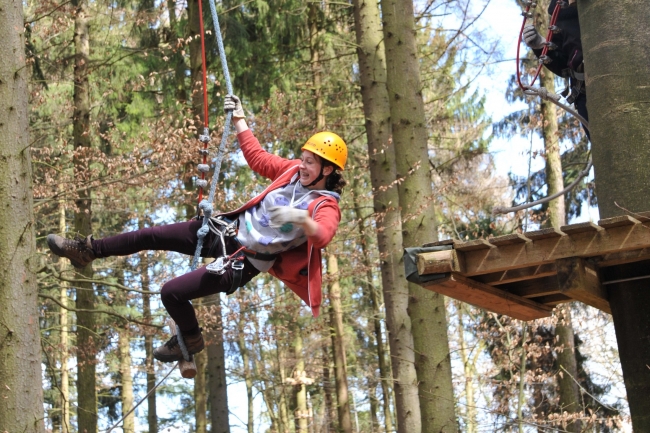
(51, 242)
(171, 358)
(163, 358)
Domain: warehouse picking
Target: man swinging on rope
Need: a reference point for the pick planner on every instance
(566, 59)
(281, 231)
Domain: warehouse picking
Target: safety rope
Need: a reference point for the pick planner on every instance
(531, 4)
(547, 95)
(206, 205)
(143, 399)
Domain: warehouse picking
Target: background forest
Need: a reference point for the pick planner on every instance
(115, 109)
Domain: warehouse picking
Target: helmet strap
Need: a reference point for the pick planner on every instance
(320, 175)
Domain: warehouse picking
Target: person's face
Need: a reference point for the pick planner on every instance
(310, 168)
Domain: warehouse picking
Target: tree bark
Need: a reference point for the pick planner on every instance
(86, 346)
(217, 371)
(569, 392)
(152, 415)
(64, 337)
(373, 295)
(338, 344)
(614, 40)
(372, 73)
(200, 393)
(328, 401)
(21, 390)
(301, 414)
(128, 425)
(246, 362)
(416, 198)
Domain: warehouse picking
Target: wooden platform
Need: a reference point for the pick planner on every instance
(526, 275)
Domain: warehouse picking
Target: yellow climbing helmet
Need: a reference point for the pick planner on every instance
(328, 146)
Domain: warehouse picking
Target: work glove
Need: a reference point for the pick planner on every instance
(279, 216)
(233, 103)
(532, 38)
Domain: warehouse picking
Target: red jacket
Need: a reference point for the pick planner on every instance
(324, 210)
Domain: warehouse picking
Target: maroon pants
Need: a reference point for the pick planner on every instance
(182, 238)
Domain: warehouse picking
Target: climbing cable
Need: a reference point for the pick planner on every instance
(206, 205)
(143, 399)
(547, 95)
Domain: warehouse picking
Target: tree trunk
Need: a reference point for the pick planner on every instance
(128, 425)
(569, 392)
(201, 392)
(21, 390)
(372, 294)
(338, 345)
(468, 373)
(217, 371)
(328, 401)
(177, 58)
(246, 362)
(416, 198)
(301, 414)
(64, 337)
(372, 72)
(86, 346)
(618, 95)
(152, 415)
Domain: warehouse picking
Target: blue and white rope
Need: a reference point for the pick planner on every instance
(206, 204)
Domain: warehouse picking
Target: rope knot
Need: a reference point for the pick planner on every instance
(203, 231)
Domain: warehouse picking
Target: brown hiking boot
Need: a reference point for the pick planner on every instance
(171, 351)
(78, 250)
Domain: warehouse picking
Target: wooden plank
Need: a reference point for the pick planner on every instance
(477, 244)
(553, 300)
(514, 238)
(619, 221)
(579, 280)
(620, 258)
(584, 244)
(550, 232)
(439, 262)
(514, 275)
(441, 243)
(490, 298)
(581, 228)
(532, 288)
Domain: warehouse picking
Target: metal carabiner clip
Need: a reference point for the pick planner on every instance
(218, 266)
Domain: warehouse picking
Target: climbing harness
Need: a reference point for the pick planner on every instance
(205, 205)
(547, 95)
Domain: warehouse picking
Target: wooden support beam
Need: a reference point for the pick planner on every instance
(620, 258)
(533, 288)
(439, 262)
(591, 242)
(514, 275)
(488, 297)
(580, 280)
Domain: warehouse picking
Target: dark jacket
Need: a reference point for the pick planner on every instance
(568, 54)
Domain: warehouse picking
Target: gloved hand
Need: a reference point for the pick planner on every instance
(532, 38)
(233, 103)
(281, 215)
